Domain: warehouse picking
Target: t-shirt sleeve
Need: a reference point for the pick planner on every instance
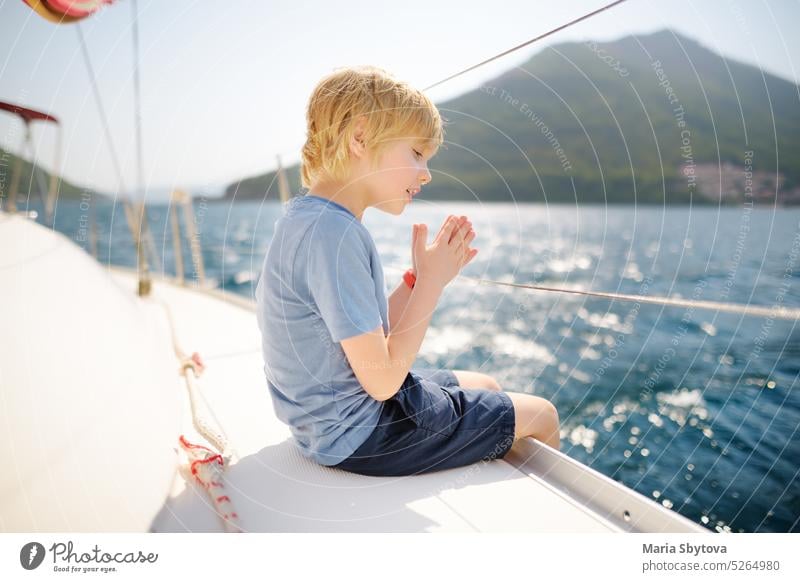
(340, 279)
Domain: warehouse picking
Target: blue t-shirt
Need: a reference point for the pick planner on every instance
(321, 282)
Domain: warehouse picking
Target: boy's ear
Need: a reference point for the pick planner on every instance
(357, 145)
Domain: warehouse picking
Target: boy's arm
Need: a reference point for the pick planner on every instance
(397, 303)
(380, 363)
(400, 296)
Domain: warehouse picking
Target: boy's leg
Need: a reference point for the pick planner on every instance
(476, 380)
(535, 417)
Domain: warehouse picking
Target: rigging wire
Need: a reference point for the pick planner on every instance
(140, 228)
(526, 43)
(775, 312)
(137, 99)
(99, 102)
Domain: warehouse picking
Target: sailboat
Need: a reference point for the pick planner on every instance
(137, 403)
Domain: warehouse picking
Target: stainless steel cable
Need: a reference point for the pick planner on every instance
(526, 43)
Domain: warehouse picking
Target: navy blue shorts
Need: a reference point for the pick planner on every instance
(433, 424)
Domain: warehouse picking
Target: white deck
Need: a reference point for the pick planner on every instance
(275, 489)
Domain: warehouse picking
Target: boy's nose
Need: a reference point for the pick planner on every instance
(425, 177)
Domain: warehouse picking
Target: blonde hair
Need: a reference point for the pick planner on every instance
(392, 110)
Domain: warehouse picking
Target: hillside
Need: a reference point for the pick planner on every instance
(32, 185)
(630, 120)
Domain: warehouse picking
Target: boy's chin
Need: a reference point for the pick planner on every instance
(395, 208)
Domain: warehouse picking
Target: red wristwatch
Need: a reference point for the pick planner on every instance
(410, 278)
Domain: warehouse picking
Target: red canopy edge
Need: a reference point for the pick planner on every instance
(26, 114)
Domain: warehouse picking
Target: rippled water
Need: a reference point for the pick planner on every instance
(694, 409)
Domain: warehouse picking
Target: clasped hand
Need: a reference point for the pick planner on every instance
(450, 252)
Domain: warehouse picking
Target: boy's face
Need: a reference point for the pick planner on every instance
(399, 175)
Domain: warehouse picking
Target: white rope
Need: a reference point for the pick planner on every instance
(208, 469)
(206, 465)
(208, 429)
(774, 312)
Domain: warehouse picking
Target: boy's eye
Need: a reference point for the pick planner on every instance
(418, 154)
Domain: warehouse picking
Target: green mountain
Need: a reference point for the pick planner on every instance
(263, 186)
(32, 185)
(638, 119)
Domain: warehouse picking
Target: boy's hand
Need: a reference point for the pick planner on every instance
(466, 226)
(448, 254)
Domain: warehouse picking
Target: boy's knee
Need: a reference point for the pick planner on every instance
(492, 384)
(548, 413)
(551, 412)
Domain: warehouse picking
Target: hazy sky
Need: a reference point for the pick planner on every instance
(225, 84)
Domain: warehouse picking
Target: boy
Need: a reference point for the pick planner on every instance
(337, 353)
